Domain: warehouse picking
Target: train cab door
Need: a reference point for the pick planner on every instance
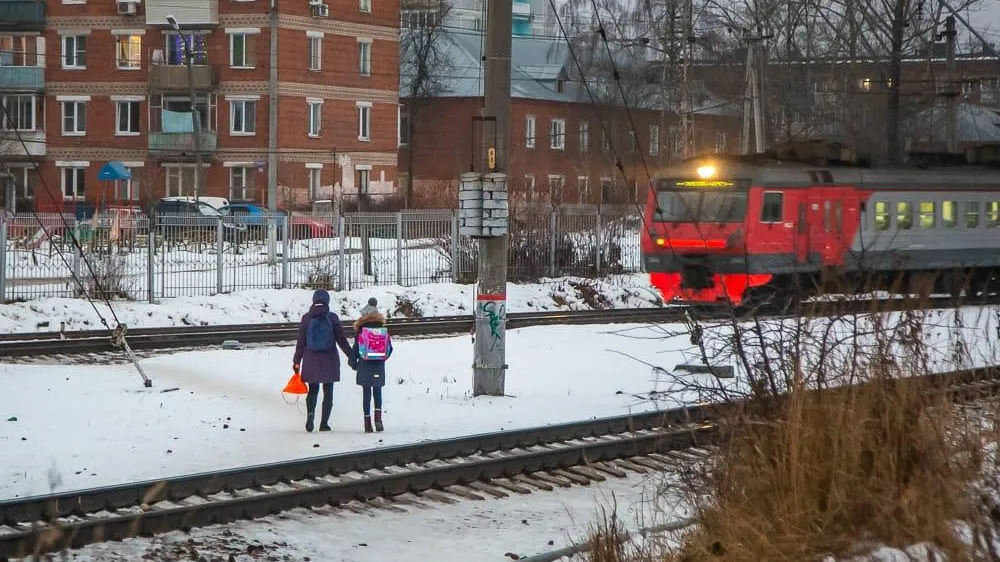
(802, 228)
(813, 237)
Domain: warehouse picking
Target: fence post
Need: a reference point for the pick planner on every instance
(219, 261)
(399, 249)
(341, 227)
(454, 247)
(151, 261)
(77, 252)
(286, 250)
(552, 243)
(3, 261)
(598, 243)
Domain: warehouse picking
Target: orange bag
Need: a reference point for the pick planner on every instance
(295, 385)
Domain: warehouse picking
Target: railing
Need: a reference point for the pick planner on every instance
(22, 77)
(22, 14)
(181, 142)
(193, 255)
(175, 77)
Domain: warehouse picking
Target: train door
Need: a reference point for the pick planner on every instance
(802, 228)
(818, 237)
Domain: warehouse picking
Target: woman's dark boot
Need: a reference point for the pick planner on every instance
(368, 424)
(324, 420)
(309, 421)
(378, 420)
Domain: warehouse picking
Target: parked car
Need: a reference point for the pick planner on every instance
(255, 218)
(187, 217)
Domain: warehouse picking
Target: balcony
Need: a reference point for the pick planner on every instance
(22, 77)
(181, 142)
(22, 15)
(168, 77)
(30, 144)
(522, 9)
(187, 12)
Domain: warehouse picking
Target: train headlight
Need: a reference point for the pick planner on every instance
(660, 241)
(706, 172)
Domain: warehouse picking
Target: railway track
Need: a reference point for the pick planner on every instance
(438, 471)
(62, 345)
(466, 468)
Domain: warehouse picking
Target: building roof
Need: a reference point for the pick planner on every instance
(975, 123)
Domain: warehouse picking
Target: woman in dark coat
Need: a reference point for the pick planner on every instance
(320, 365)
(370, 374)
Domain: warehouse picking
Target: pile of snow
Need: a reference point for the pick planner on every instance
(287, 305)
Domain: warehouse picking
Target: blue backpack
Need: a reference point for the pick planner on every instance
(319, 335)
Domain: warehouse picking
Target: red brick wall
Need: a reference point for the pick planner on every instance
(442, 144)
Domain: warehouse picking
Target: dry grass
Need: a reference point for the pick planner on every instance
(805, 474)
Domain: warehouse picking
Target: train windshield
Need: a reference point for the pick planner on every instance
(700, 206)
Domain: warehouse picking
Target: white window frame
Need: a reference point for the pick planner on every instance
(232, 50)
(365, 6)
(136, 63)
(74, 39)
(529, 181)
(245, 173)
(365, 57)
(14, 111)
(79, 173)
(130, 187)
(654, 140)
(529, 131)
(582, 188)
(21, 178)
(561, 180)
(364, 121)
(178, 170)
(314, 109)
(364, 179)
(239, 105)
(314, 50)
(402, 136)
(138, 124)
(315, 184)
(79, 105)
(584, 140)
(557, 134)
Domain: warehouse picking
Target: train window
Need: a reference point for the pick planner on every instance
(993, 214)
(826, 216)
(949, 214)
(802, 218)
(904, 215)
(771, 210)
(838, 217)
(881, 215)
(927, 214)
(972, 214)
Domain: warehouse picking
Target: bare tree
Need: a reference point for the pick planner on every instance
(424, 67)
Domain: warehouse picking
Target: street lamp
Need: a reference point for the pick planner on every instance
(195, 115)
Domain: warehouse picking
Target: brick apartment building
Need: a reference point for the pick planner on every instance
(86, 82)
(559, 149)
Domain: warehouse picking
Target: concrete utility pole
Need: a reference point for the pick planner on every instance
(753, 107)
(687, 101)
(272, 134)
(483, 210)
(187, 41)
(952, 92)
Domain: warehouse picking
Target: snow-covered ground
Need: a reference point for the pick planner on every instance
(86, 426)
(482, 531)
(288, 305)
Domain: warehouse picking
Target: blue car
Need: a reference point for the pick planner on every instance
(254, 217)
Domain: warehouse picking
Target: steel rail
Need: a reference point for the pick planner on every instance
(316, 490)
(21, 345)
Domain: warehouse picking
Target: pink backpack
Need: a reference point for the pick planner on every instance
(373, 343)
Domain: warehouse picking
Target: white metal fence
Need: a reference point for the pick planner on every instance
(136, 258)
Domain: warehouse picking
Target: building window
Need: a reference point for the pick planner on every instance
(128, 51)
(315, 180)
(556, 184)
(364, 121)
(198, 44)
(18, 50)
(529, 186)
(584, 136)
(127, 190)
(365, 6)
(582, 188)
(314, 51)
(19, 113)
(654, 140)
(315, 118)
(128, 118)
(242, 50)
(557, 134)
(73, 183)
(365, 58)
(242, 117)
(404, 127)
(363, 181)
(180, 181)
(241, 184)
(605, 140)
(720, 142)
(74, 118)
(25, 178)
(529, 131)
(74, 51)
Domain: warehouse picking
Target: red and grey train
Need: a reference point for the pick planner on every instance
(722, 229)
